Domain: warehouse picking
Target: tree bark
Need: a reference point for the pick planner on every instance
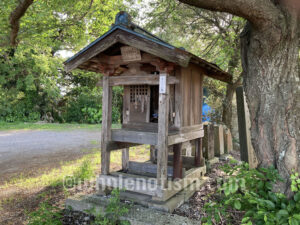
(14, 20)
(271, 82)
(270, 48)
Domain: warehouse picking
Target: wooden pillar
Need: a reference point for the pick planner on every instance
(199, 160)
(246, 148)
(208, 142)
(177, 161)
(106, 125)
(227, 141)
(219, 140)
(163, 131)
(125, 159)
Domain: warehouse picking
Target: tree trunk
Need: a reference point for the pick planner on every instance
(230, 89)
(271, 81)
(227, 106)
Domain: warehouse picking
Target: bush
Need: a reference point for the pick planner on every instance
(250, 191)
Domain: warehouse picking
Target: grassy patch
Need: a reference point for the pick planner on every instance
(88, 165)
(49, 126)
(38, 197)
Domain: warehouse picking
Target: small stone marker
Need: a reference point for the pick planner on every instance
(219, 140)
(208, 142)
(227, 141)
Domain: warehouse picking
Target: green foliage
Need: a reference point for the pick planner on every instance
(213, 36)
(33, 84)
(113, 212)
(45, 215)
(251, 191)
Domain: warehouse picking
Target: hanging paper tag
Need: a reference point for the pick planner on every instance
(162, 84)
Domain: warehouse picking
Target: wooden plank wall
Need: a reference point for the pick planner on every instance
(192, 95)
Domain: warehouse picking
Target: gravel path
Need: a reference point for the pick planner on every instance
(26, 151)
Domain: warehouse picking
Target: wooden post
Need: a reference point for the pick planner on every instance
(163, 131)
(219, 140)
(106, 125)
(199, 160)
(227, 141)
(208, 142)
(246, 148)
(177, 161)
(125, 159)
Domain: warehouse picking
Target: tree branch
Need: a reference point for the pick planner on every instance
(258, 12)
(14, 20)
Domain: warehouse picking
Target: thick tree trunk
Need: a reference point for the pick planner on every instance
(271, 81)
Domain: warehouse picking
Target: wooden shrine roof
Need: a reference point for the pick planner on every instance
(91, 57)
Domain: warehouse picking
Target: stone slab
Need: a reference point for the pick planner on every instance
(137, 215)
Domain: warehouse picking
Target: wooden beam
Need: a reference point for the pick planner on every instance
(138, 137)
(106, 125)
(163, 130)
(137, 80)
(183, 137)
(118, 59)
(114, 145)
(177, 162)
(146, 169)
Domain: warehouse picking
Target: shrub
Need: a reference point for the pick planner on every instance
(250, 191)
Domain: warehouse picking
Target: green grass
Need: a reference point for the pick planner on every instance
(49, 126)
(83, 168)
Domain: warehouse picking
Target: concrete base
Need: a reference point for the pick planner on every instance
(137, 215)
(168, 205)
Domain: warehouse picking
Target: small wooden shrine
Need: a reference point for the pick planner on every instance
(162, 106)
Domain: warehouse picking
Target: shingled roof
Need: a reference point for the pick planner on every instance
(127, 33)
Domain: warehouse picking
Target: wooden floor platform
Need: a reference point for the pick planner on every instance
(148, 185)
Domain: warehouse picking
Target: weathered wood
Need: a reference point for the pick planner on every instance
(227, 141)
(153, 48)
(188, 162)
(137, 185)
(141, 126)
(104, 44)
(199, 160)
(125, 159)
(114, 145)
(208, 142)
(183, 137)
(138, 137)
(137, 80)
(146, 169)
(191, 176)
(106, 125)
(246, 148)
(163, 130)
(126, 105)
(219, 140)
(178, 100)
(177, 162)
